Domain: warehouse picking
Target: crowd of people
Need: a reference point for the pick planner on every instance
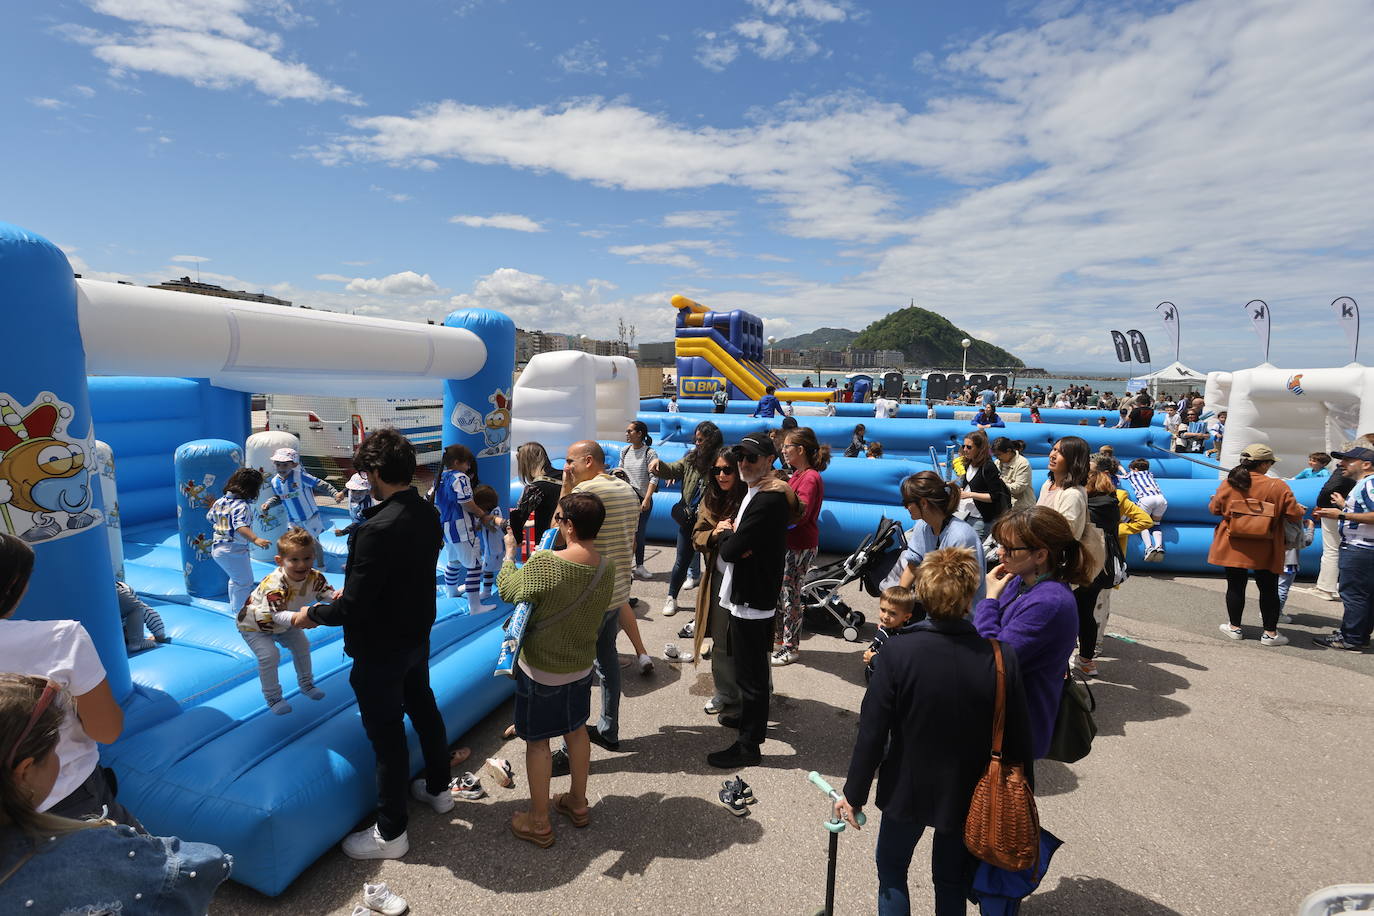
(986, 558)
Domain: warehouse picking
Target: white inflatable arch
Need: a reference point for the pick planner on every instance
(1294, 411)
(561, 397)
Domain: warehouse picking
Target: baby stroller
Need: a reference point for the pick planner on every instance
(870, 563)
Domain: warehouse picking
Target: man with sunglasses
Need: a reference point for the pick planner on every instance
(752, 549)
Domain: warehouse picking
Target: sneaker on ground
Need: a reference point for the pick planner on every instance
(1336, 641)
(1233, 632)
(688, 630)
(646, 665)
(1088, 667)
(1285, 618)
(670, 607)
(691, 582)
(379, 899)
(368, 844)
(639, 572)
(441, 803)
(740, 788)
(712, 706)
(1278, 639)
(499, 771)
(670, 651)
(785, 656)
(562, 765)
(467, 787)
(732, 802)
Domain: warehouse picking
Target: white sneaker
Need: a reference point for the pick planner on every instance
(639, 572)
(368, 844)
(1232, 632)
(1278, 639)
(441, 803)
(670, 607)
(379, 899)
(691, 582)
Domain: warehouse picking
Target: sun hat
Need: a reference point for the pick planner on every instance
(1259, 452)
(287, 454)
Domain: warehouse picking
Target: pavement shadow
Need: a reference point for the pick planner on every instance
(835, 656)
(1077, 894)
(1053, 778)
(1133, 685)
(637, 829)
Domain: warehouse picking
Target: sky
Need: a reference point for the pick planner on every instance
(1039, 173)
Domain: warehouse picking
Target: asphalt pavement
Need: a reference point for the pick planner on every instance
(1226, 778)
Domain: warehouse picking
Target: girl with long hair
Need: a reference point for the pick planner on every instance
(692, 469)
(1015, 471)
(635, 458)
(725, 492)
(543, 485)
(932, 503)
(982, 483)
(807, 457)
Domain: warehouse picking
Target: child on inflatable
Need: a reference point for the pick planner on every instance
(265, 619)
(492, 536)
(462, 520)
(295, 489)
(136, 615)
(359, 500)
(231, 517)
(1148, 497)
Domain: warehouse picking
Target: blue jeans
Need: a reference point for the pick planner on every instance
(1356, 565)
(1285, 583)
(951, 868)
(607, 670)
(686, 556)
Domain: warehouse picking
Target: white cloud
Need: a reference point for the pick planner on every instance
(818, 10)
(512, 221)
(672, 254)
(533, 301)
(584, 57)
(716, 53)
(209, 43)
(189, 259)
(405, 283)
(85, 92)
(395, 196)
(334, 278)
(51, 104)
(775, 42)
(699, 219)
(594, 233)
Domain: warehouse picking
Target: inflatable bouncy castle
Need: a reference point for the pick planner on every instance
(162, 379)
(726, 350)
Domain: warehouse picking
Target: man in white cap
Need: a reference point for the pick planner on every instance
(293, 488)
(1355, 513)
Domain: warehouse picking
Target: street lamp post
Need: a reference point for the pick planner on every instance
(965, 343)
(771, 340)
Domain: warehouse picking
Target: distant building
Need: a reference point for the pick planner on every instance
(529, 344)
(657, 354)
(187, 285)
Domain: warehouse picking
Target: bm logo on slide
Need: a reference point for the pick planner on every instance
(702, 384)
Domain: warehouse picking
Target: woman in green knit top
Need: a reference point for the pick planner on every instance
(569, 590)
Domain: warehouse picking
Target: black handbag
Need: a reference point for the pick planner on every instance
(1074, 728)
(685, 514)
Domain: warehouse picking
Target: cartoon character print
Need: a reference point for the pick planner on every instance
(45, 480)
(198, 494)
(201, 544)
(494, 427)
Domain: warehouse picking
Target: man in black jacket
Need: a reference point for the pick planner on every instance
(753, 547)
(386, 610)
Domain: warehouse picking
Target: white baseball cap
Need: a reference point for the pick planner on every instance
(287, 454)
(358, 482)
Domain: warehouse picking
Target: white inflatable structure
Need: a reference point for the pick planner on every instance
(1294, 411)
(561, 396)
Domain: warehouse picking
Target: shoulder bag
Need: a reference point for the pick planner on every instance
(1251, 518)
(684, 512)
(1074, 727)
(1003, 825)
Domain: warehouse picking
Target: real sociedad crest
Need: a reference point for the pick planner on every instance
(1295, 383)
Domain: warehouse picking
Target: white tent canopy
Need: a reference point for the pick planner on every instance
(1174, 378)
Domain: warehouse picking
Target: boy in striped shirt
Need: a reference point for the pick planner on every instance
(1148, 497)
(295, 489)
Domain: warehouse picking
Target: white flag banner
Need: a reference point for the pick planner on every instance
(1169, 312)
(1348, 313)
(1258, 310)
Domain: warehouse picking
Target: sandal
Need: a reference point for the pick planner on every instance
(458, 755)
(562, 802)
(509, 733)
(520, 826)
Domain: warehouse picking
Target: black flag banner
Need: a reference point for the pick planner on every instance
(1139, 346)
(1123, 349)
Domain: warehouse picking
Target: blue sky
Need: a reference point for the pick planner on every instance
(1038, 173)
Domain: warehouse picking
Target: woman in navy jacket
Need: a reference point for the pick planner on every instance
(925, 729)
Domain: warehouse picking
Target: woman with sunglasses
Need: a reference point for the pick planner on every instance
(1029, 605)
(692, 469)
(982, 483)
(932, 503)
(51, 864)
(63, 650)
(569, 590)
(807, 457)
(724, 493)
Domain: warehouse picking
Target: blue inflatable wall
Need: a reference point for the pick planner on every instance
(202, 468)
(477, 409)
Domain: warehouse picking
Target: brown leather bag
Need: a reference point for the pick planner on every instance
(1251, 518)
(1003, 825)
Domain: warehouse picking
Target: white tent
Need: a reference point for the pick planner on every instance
(1173, 379)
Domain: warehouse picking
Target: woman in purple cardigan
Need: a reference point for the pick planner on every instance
(1030, 605)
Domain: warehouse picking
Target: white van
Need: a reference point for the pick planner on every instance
(330, 429)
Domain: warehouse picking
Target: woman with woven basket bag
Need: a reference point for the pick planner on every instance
(926, 728)
(1249, 539)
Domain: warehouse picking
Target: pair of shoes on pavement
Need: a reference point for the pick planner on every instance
(378, 898)
(467, 787)
(1334, 640)
(784, 656)
(673, 653)
(688, 630)
(736, 796)
(639, 572)
(735, 756)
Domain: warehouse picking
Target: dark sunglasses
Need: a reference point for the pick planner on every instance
(719, 470)
(750, 457)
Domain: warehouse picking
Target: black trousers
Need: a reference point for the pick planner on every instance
(1268, 584)
(389, 687)
(751, 643)
(96, 798)
(1085, 596)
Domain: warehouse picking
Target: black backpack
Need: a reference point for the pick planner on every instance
(1105, 512)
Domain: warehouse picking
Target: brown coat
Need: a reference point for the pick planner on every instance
(1252, 553)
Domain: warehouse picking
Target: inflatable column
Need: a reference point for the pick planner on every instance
(273, 523)
(109, 503)
(202, 467)
(47, 449)
(477, 409)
